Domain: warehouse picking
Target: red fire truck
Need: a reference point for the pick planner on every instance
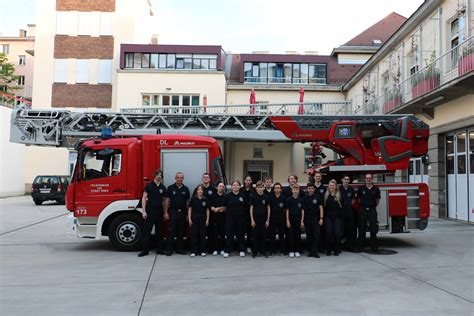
(110, 172)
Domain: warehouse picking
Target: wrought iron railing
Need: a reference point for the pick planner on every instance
(453, 64)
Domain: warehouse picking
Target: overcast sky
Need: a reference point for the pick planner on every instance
(244, 26)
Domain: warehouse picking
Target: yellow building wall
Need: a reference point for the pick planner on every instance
(282, 96)
(451, 111)
(132, 84)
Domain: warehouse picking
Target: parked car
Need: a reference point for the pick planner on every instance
(47, 188)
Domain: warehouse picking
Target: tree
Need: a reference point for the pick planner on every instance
(8, 79)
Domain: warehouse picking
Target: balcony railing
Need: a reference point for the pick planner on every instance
(12, 101)
(284, 80)
(453, 64)
(307, 108)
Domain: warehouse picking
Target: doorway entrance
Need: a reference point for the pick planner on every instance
(258, 169)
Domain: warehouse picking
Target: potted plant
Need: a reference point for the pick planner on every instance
(466, 60)
(392, 100)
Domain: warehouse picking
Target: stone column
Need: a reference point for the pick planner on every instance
(437, 173)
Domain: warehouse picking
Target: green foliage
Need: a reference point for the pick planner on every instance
(8, 79)
(467, 51)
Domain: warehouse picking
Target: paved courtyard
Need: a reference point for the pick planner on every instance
(44, 272)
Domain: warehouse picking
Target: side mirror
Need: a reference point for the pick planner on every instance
(425, 160)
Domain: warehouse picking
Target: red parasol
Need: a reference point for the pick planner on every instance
(204, 102)
(253, 100)
(301, 107)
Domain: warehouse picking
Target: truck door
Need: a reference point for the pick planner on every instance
(102, 179)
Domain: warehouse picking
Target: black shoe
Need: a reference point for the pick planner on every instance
(143, 253)
(336, 253)
(316, 255)
(254, 256)
(265, 255)
(359, 249)
(182, 252)
(310, 254)
(328, 253)
(169, 253)
(160, 252)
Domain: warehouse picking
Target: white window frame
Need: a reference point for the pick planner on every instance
(21, 60)
(21, 80)
(82, 71)
(85, 21)
(63, 20)
(106, 24)
(104, 74)
(61, 70)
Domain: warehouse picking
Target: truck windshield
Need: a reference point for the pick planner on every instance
(97, 164)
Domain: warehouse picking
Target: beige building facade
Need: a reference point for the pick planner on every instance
(426, 68)
(20, 52)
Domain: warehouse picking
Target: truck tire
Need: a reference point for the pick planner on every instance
(125, 232)
(37, 201)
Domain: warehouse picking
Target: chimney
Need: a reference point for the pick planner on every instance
(311, 52)
(22, 33)
(154, 39)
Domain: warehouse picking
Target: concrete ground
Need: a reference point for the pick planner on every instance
(44, 272)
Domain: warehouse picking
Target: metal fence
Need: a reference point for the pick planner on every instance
(259, 109)
(453, 64)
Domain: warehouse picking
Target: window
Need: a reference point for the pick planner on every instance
(285, 73)
(101, 163)
(60, 70)
(145, 61)
(182, 103)
(5, 49)
(414, 60)
(21, 60)
(317, 73)
(105, 23)
(257, 152)
(129, 60)
(162, 61)
(85, 23)
(82, 71)
(308, 159)
(21, 80)
(63, 19)
(457, 37)
(154, 61)
(170, 61)
(105, 71)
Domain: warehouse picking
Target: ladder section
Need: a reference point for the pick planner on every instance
(243, 122)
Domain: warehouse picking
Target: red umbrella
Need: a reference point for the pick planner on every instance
(253, 100)
(301, 107)
(204, 102)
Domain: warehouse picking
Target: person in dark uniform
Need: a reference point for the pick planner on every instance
(268, 184)
(153, 212)
(333, 218)
(348, 197)
(278, 220)
(369, 198)
(178, 197)
(236, 205)
(218, 225)
(320, 189)
(295, 220)
(292, 180)
(248, 191)
(209, 193)
(260, 219)
(198, 217)
(313, 219)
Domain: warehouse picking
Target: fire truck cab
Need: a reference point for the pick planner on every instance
(109, 176)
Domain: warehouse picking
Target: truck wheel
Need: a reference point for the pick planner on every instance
(37, 201)
(125, 232)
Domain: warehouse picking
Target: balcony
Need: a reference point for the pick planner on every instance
(446, 78)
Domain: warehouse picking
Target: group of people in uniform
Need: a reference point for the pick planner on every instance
(263, 219)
